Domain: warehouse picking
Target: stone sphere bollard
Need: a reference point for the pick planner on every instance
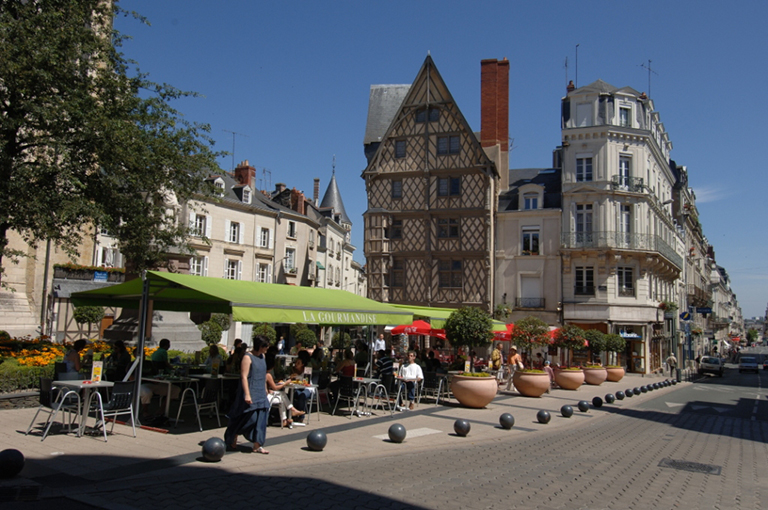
(396, 433)
(620, 395)
(543, 416)
(674, 382)
(597, 402)
(461, 427)
(316, 440)
(11, 463)
(507, 421)
(637, 391)
(630, 392)
(213, 449)
(644, 389)
(610, 398)
(566, 411)
(583, 406)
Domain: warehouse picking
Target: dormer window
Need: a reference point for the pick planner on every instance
(218, 184)
(530, 197)
(625, 117)
(531, 201)
(246, 196)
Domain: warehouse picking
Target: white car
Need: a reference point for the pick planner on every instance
(748, 364)
(711, 365)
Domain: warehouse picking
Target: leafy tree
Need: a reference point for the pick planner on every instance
(341, 340)
(210, 332)
(306, 338)
(222, 320)
(88, 315)
(530, 332)
(469, 326)
(752, 335)
(596, 339)
(569, 337)
(615, 344)
(86, 139)
(266, 330)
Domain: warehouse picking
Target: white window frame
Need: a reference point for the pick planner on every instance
(530, 201)
(628, 121)
(198, 266)
(264, 272)
(290, 260)
(625, 281)
(233, 269)
(234, 231)
(530, 233)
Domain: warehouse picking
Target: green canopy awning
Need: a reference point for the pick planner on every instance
(438, 316)
(319, 265)
(247, 301)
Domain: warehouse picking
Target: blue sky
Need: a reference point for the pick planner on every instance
(293, 78)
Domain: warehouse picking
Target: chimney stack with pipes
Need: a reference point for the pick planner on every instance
(494, 115)
(245, 174)
(316, 192)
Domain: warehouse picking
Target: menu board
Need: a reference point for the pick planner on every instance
(96, 371)
(467, 366)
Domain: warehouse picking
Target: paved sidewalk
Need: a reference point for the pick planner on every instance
(88, 469)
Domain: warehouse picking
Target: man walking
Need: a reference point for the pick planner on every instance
(672, 363)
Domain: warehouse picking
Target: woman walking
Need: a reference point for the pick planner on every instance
(249, 412)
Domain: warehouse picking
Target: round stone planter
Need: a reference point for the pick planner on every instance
(476, 392)
(595, 376)
(569, 379)
(531, 384)
(615, 374)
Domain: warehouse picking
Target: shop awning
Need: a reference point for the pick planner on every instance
(247, 301)
(438, 316)
(319, 265)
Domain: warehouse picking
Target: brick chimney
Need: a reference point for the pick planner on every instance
(316, 191)
(297, 201)
(279, 187)
(245, 174)
(494, 114)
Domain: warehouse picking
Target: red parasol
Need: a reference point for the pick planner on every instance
(418, 328)
(504, 336)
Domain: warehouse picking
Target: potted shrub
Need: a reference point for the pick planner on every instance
(614, 344)
(528, 333)
(568, 338)
(595, 374)
(471, 327)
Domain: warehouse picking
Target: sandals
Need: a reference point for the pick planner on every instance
(261, 450)
(288, 423)
(295, 412)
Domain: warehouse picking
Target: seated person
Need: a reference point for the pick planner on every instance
(300, 395)
(214, 358)
(234, 361)
(410, 374)
(120, 360)
(346, 368)
(433, 364)
(275, 391)
(160, 356)
(361, 354)
(316, 361)
(72, 357)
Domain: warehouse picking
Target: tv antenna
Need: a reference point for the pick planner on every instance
(648, 68)
(576, 80)
(264, 180)
(234, 133)
(566, 70)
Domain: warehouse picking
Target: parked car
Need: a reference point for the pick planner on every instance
(711, 365)
(748, 364)
(765, 364)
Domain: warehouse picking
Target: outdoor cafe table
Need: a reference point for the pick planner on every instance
(85, 387)
(170, 381)
(364, 383)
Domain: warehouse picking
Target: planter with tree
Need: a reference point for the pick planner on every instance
(471, 327)
(614, 344)
(568, 338)
(528, 333)
(595, 374)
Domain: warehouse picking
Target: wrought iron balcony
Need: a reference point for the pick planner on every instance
(632, 184)
(626, 292)
(529, 302)
(588, 290)
(621, 241)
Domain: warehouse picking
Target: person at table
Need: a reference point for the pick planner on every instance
(433, 364)
(213, 359)
(300, 395)
(277, 391)
(72, 357)
(233, 362)
(120, 360)
(250, 410)
(345, 368)
(410, 374)
(160, 356)
(361, 354)
(234, 347)
(316, 361)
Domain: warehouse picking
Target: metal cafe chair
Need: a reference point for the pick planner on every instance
(349, 392)
(66, 401)
(119, 403)
(208, 400)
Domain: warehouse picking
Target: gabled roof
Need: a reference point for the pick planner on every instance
(332, 200)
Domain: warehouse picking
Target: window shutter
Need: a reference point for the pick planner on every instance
(270, 239)
(208, 222)
(192, 218)
(241, 234)
(269, 273)
(205, 266)
(226, 266)
(239, 269)
(227, 232)
(258, 237)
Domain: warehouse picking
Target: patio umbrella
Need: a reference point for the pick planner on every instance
(504, 336)
(416, 328)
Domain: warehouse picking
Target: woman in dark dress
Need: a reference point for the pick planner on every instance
(249, 412)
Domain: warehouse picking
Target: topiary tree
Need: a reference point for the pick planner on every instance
(266, 330)
(306, 338)
(222, 320)
(469, 326)
(210, 332)
(341, 340)
(530, 332)
(596, 339)
(569, 337)
(615, 344)
(88, 315)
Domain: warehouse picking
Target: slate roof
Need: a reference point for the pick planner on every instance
(383, 104)
(601, 87)
(332, 200)
(549, 178)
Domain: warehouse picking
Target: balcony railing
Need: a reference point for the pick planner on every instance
(621, 240)
(588, 290)
(632, 184)
(529, 302)
(626, 292)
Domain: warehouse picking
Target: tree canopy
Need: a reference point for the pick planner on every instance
(469, 326)
(86, 139)
(530, 332)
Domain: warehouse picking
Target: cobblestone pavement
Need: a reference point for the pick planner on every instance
(610, 463)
